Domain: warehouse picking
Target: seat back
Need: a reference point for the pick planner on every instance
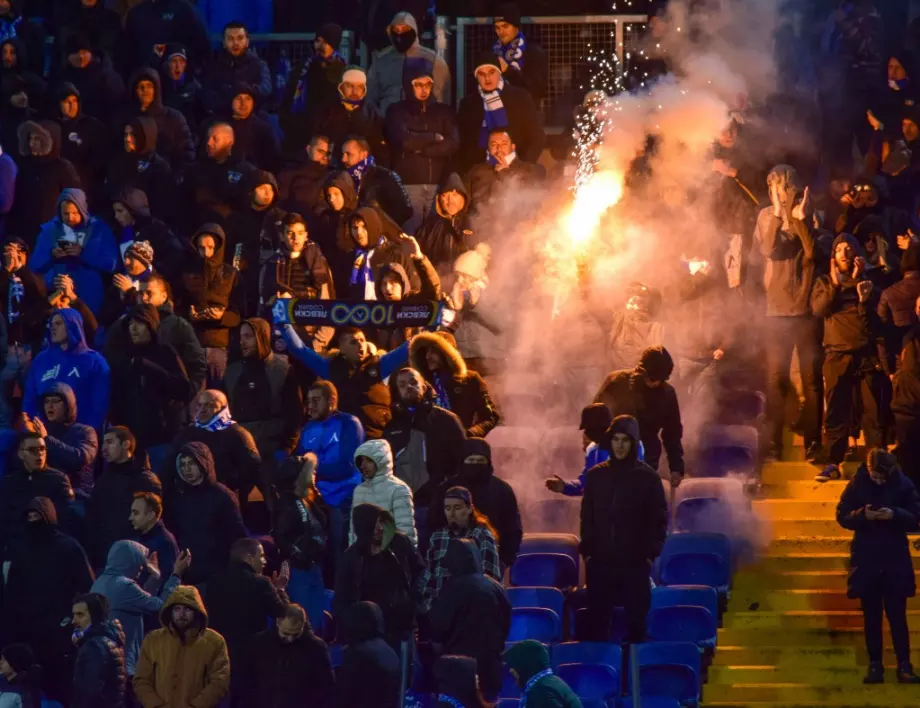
(705, 514)
(597, 653)
(660, 672)
(554, 570)
(695, 569)
(717, 543)
(550, 598)
(591, 681)
(682, 623)
(564, 543)
(702, 595)
(536, 623)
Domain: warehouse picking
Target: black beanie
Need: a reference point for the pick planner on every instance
(486, 58)
(332, 33)
(657, 363)
(18, 656)
(75, 42)
(477, 446)
(508, 12)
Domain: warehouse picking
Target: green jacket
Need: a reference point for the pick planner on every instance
(528, 658)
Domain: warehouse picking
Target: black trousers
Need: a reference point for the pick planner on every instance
(895, 608)
(854, 391)
(609, 586)
(783, 335)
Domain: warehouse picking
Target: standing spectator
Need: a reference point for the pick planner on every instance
(125, 474)
(254, 136)
(334, 231)
(85, 141)
(528, 662)
(23, 300)
(20, 676)
(139, 166)
(897, 308)
(287, 666)
(80, 245)
(332, 437)
(881, 505)
(133, 215)
(624, 521)
(234, 64)
(8, 170)
(129, 602)
(370, 673)
(351, 114)
(300, 182)
(203, 513)
(445, 232)
(385, 79)
(595, 421)
(181, 89)
(455, 388)
(381, 488)
(68, 359)
(422, 135)
(101, 24)
(523, 63)
(457, 682)
(184, 662)
(501, 172)
(72, 446)
(92, 74)
(376, 186)
(312, 86)
(150, 531)
(905, 405)
(152, 24)
(471, 616)
(43, 174)
(376, 245)
(300, 528)
(99, 670)
(497, 104)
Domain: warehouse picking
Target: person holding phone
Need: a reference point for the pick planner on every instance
(881, 506)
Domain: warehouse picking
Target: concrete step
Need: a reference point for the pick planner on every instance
(810, 527)
(773, 510)
(830, 596)
(774, 472)
(774, 636)
(756, 580)
(791, 562)
(802, 620)
(804, 673)
(804, 693)
(795, 656)
(804, 489)
(782, 544)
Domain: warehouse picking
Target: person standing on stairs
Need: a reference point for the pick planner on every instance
(881, 505)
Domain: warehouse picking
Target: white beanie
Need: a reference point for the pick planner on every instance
(471, 263)
(354, 75)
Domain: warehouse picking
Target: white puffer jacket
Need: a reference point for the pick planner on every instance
(384, 490)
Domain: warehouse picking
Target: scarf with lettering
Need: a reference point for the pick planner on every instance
(358, 171)
(361, 273)
(513, 52)
(221, 421)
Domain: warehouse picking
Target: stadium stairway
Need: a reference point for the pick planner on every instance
(790, 637)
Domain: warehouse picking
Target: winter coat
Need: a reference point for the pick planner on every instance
(150, 24)
(533, 75)
(205, 518)
(420, 283)
(172, 673)
(299, 524)
(101, 87)
(879, 552)
(471, 615)
(225, 72)
(26, 313)
(333, 234)
(149, 386)
(99, 677)
(85, 142)
(441, 237)
(160, 541)
(383, 189)
(20, 77)
(417, 153)
(106, 520)
(624, 393)
(319, 80)
(210, 283)
(98, 259)
(337, 122)
(486, 183)
(129, 603)
(385, 78)
(83, 369)
(184, 95)
(254, 138)
(624, 513)
(467, 394)
(369, 676)
(72, 447)
(333, 441)
(790, 264)
(168, 252)
(384, 490)
(383, 251)
(896, 315)
(215, 191)
(905, 402)
(390, 578)
(17, 490)
(145, 170)
(529, 658)
(524, 124)
(300, 186)
(8, 170)
(101, 26)
(279, 674)
(236, 457)
(303, 277)
(39, 181)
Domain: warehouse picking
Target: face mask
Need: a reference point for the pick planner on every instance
(898, 85)
(403, 41)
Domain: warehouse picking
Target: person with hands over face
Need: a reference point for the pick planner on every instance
(881, 506)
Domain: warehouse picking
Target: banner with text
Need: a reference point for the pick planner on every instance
(357, 313)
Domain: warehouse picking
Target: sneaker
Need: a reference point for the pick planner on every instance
(813, 452)
(906, 674)
(828, 473)
(875, 674)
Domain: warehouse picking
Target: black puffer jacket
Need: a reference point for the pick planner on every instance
(300, 524)
(144, 170)
(233, 449)
(17, 490)
(84, 141)
(442, 237)
(300, 186)
(215, 191)
(382, 189)
(337, 122)
(101, 87)
(225, 72)
(99, 675)
(254, 137)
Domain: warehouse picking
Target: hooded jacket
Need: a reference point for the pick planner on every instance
(19, 77)
(624, 514)
(99, 676)
(81, 368)
(442, 237)
(382, 251)
(225, 72)
(145, 170)
(99, 257)
(26, 312)
(168, 252)
(184, 95)
(85, 141)
(40, 180)
(384, 490)
(385, 78)
(17, 490)
(318, 79)
(333, 441)
(205, 518)
(101, 87)
(300, 524)
(148, 25)
(149, 385)
(426, 289)
(175, 671)
(391, 578)
(896, 307)
(455, 678)
(210, 283)
(72, 446)
(383, 189)
(370, 673)
(422, 135)
(471, 615)
(333, 231)
(300, 184)
(529, 658)
(128, 601)
(457, 389)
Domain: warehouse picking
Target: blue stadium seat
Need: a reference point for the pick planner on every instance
(508, 703)
(593, 682)
(509, 688)
(554, 570)
(565, 543)
(669, 669)
(717, 543)
(683, 623)
(695, 569)
(550, 598)
(618, 625)
(336, 654)
(536, 623)
(599, 653)
(728, 449)
(702, 514)
(702, 595)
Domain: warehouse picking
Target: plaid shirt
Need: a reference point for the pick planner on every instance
(436, 573)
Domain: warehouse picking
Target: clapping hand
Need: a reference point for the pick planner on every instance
(280, 579)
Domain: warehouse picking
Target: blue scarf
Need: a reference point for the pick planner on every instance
(493, 115)
(15, 293)
(513, 52)
(440, 392)
(299, 102)
(449, 700)
(8, 29)
(361, 273)
(358, 171)
(220, 421)
(530, 684)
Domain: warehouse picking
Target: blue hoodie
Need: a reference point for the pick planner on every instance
(100, 251)
(334, 442)
(81, 368)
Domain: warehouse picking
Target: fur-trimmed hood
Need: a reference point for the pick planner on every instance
(48, 131)
(442, 342)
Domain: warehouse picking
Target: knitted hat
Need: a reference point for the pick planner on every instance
(76, 42)
(461, 493)
(471, 263)
(18, 656)
(140, 251)
(508, 12)
(332, 33)
(354, 75)
(175, 49)
(486, 58)
(595, 417)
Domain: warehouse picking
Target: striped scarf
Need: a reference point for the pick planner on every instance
(357, 171)
(513, 52)
(494, 115)
(530, 684)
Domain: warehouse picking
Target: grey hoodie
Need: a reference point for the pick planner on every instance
(128, 601)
